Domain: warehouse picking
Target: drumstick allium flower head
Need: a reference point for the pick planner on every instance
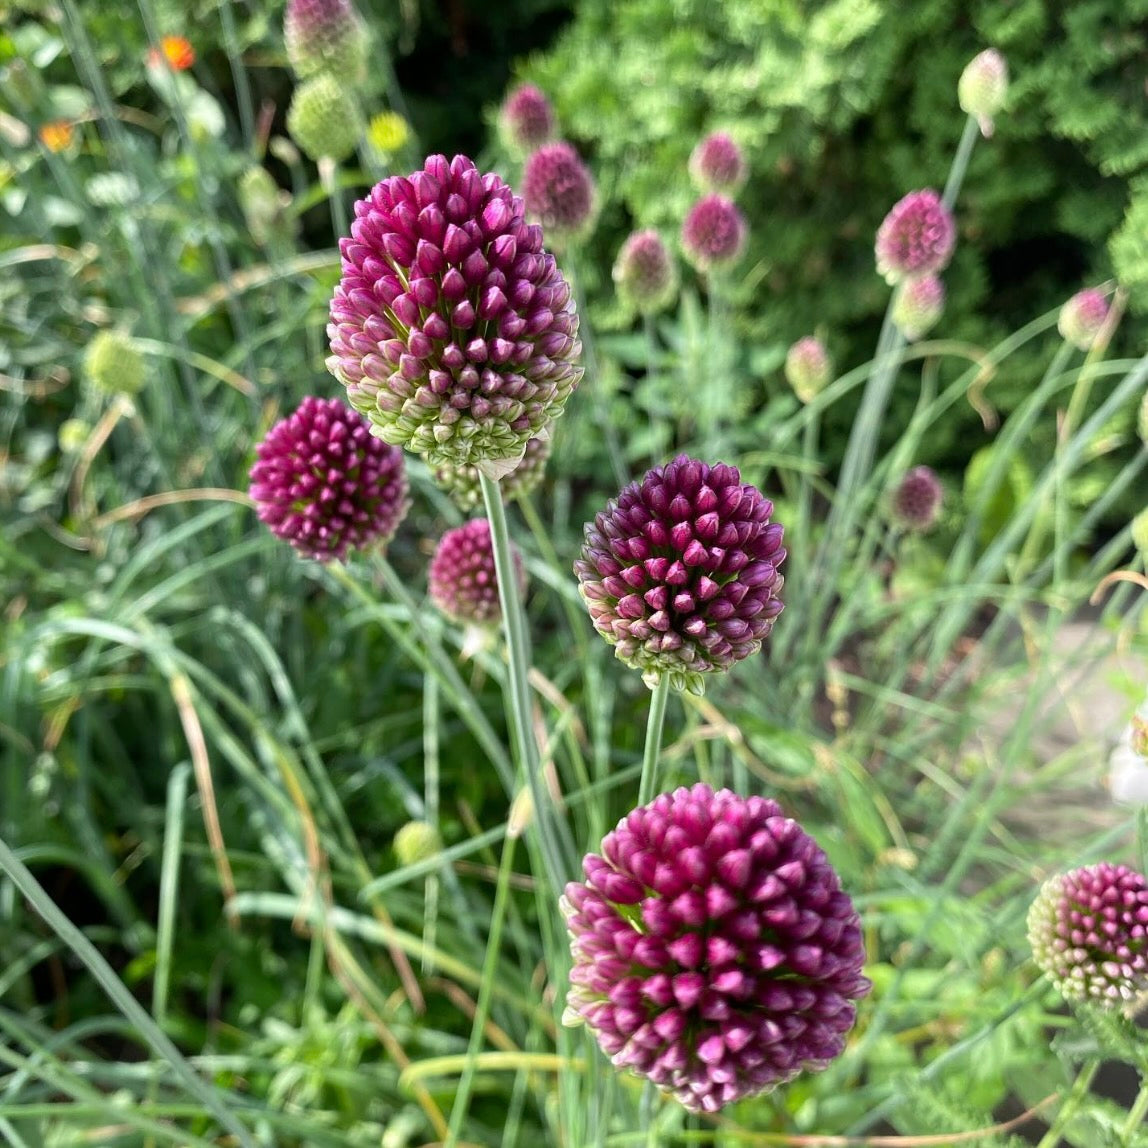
(717, 164)
(463, 485)
(917, 498)
(559, 191)
(917, 237)
(1082, 318)
(325, 36)
(983, 87)
(713, 233)
(526, 119)
(919, 304)
(644, 273)
(462, 579)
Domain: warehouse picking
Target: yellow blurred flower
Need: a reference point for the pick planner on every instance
(57, 135)
(388, 132)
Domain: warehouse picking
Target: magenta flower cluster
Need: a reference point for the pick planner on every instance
(714, 233)
(717, 164)
(916, 238)
(558, 191)
(1082, 318)
(644, 272)
(462, 581)
(526, 118)
(917, 498)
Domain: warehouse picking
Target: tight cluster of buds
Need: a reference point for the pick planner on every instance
(526, 120)
(462, 580)
(1082, 318)
(113, 364)
(717, 164)
(917, 499)
(559, 192)
(916, 238)
(808, 368)
(325, 36)
(983, 87)
(918, 306)
(323, 118)
(644, 273)
(714, 233)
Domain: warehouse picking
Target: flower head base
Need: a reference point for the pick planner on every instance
(717, 164)
(416, 841)
(1082, 318)
(644, 273)
(714, 950)
(917, 499)
(526, 120)
(919, 304)
(451, 328)
(463, 485)
(1089, 932)
(175, 52)
(808, 368)
(559, 192)
(714, 233)
(917, 237)
(325, 36)
(680, 571)
(113, 365)
(462, 579)
(323, 118)
(322, 483)
(57, 136)
(982, 88)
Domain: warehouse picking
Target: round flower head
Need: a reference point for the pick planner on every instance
(1089, 932)
(113, 365)
(917, 499)
(808, 368)
(714, 949)
(388, 132)
(462, 581)
(983, 87)
(1082, 318)
(463, 486)
(680, 571)
(644, 273)
(323, 118)
(713, 234)
(916, 237)
(416, 841)
(322, 483)
(325, 36)
(918, 306)
(717, 164)
(451, 328)
(558, 190)
(526, 119)
(73, 435)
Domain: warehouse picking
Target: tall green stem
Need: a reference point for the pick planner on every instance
(1071, 1104)
(654, 723)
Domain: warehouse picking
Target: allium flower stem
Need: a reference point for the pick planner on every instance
(1072, 1102)
(648, 786)
(1137, 1112)
(961, 162)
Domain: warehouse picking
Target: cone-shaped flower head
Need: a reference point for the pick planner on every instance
(1089, 931)
(714, 232)
(113, 365)
(1082, 318)
(452, 329)
(916, 237)
(323, 118)
(680, 571)
(917, 499)
(644, 273)
(463, 486)
(919, 305)
(717, 164)
(416, 841)
(462, 580)
(808, 368)
(559, 191)
(324, 484)
(714, 949)
(526, 119)
(325, 36)
(983, 87)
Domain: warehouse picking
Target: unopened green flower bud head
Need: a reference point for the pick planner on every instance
(1082, 318)
(417, 841)
(323, 118)
(983, 87)
(113, 365)
(1140, 534)
(261, 199)
(808, 368)
(919, 304)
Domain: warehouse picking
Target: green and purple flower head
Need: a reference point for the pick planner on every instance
(916, 238)
(717, 164)
(917, 499)
(983, 88)
(325, 36)
(1082, 318)
(714, 233)
(808, 368)
(918, 306)
(644, 273)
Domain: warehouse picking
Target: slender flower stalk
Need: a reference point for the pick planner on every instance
(648, 785)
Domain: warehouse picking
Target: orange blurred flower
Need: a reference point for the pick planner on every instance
(176, 50)
(57, 135)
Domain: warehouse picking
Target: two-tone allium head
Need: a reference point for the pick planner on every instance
(917, 499)
(983, 87)
(808, 368)
(462, 580)
(113, 364)
(644, 273)
(713, 233)
(463, 485)
(1089, 932)
(324, 484)
(1082, 318)
(919, 304)
(323, 118)
(559, 191)
(917, 237)
(714, 949)
(452, 329)
(680, 571)
(526, 119)
(717, 164)
(325, 36)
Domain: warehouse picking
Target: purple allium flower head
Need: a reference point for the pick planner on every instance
(982, 88)
(451, 328)
(919, 304)
(526, 119)
(680, 571)
(462, 580)
(1089, 931)
(916, 237)
(323, 483)
(917, 499)
(717, 164)
(463, 486)
(714, 949)
(713, 233)
(1082, 318)
(558, 190)
(808, 368)
(644, 273)
(325, 36)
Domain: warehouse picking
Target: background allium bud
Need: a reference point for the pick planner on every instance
(1089, 932)
(462, 581)
(462, 482)
(559, 192)
(451, 328)
(808, 368)
(72, 435)
(714, 949)
(388, 132)
(1140, 534)
(322, 483)
(112, 365)
(680, 571)
(644, 273)
(917, 499)
(325, 36)
(916, 237)
(717, 164)
(526, 119)
(1082, 318)
(983, 87)
(714, 232)
(416, 841)
(918, 306)
(323, 118)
